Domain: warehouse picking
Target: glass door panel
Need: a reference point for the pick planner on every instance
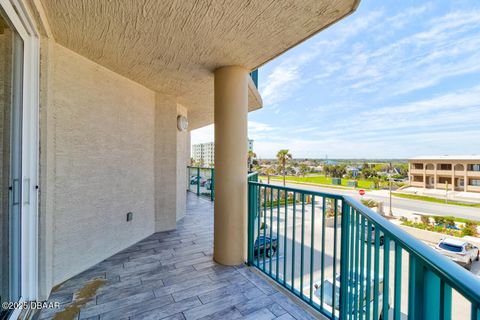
(11, 70)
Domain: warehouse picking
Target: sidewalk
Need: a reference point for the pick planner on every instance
(440, 194)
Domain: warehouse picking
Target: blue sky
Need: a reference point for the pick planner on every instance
(394, 80)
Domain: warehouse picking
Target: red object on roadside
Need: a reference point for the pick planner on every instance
(361, 191)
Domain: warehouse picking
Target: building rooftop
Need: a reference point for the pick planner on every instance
(447, 157)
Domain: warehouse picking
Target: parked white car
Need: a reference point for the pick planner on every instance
(328, 294)
(459, 251)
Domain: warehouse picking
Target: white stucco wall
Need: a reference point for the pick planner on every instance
(104, 163)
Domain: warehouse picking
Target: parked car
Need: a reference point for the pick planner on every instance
(381, 239)
(206, 183)
(459, 251)
(327, 288)
(266, 243)
(193, 179)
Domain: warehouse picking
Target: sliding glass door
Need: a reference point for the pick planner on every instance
(11, 106)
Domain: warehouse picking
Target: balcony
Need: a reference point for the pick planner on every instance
(302, 239)
(172, 274)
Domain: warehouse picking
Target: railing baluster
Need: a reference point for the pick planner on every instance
(293, 239)
(397, 296)
(431, 296)
(334, 289)
(198, 181)
(386, 277)
(445, 301)
(322, 270)
(352, 261)
(258, 195)
(278, 234)
(344, 258)
(285, 241)
(264, 226)
(302, 247)
(250, 227)
(312, 247)
(415, 289)
(376, 267)
(356, 278)
(362, 267)
(369, 269)
(212, 184)
(271, 227)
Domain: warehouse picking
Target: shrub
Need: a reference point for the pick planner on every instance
(403, 219)
(439, 220)
(425, 219)
(369, 203)
(470, 229)
(330, 208)
(450, 221)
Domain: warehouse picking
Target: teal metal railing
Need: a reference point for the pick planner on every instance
(348, 262)
(201, 181)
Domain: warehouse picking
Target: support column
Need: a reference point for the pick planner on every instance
(231, 150)
(465, 177)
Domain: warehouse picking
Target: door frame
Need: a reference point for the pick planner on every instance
(18, 14)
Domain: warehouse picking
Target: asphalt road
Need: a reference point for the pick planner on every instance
(400, 203)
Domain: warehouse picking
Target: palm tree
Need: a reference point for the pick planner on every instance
(283, 157)
(251, 155)
(269, 171)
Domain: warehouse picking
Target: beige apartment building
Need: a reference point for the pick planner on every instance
(454, 173)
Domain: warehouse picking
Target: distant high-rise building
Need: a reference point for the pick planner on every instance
(204, 153)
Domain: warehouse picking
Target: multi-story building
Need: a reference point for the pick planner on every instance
(204, 153)
(455, 173)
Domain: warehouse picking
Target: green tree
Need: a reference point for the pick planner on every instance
(283, 157)
(251, 155)
(270, 170)
(304, 169)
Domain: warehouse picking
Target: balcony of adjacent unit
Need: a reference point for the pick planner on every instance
(430, 168)
(417, 181)
(416, 168)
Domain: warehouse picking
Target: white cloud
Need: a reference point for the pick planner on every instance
(202, 135)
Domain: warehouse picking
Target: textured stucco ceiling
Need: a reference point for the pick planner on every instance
(173, 46)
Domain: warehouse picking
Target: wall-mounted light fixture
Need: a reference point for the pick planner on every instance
(182, 123)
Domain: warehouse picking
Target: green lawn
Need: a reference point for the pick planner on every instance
(320, 179)
(437, 200)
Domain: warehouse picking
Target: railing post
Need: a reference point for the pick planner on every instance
(212, 184)
(344, 256)
(250, 224)
(198, 181)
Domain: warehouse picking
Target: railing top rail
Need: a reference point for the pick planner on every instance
(464, 282)
(298, 190)
(193, 167)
